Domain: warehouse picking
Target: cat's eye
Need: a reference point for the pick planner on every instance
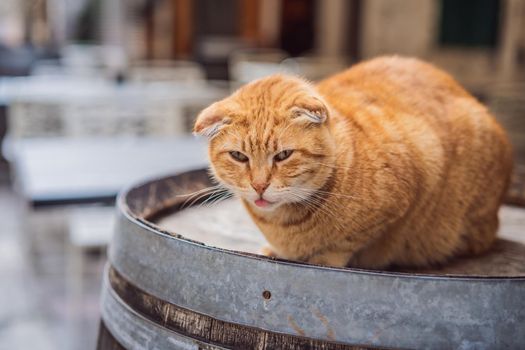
(283, 155)
(238, 156)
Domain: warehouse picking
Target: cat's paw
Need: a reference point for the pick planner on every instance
(267, 251)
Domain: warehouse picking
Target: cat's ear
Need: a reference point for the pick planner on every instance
(211, 120)
(311, 109)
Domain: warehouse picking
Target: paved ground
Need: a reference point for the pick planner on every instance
(35, 309)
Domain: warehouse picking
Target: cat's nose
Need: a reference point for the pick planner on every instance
(260, 187)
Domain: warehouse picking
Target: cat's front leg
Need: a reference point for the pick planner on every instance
(331, 258)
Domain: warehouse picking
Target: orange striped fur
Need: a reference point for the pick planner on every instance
(393, 163)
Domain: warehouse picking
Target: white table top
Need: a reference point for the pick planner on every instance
(45, 89)
(58, 171)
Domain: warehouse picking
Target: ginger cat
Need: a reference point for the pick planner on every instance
(390, 162)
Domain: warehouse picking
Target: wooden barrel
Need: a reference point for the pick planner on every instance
(165, 291)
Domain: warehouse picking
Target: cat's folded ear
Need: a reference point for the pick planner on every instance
(310, 109)
(211, 120)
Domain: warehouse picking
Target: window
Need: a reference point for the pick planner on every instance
(469, 23)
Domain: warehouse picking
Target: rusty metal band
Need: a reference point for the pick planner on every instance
(196, 328)
(346, 306)
(106, 340)
(129, 329)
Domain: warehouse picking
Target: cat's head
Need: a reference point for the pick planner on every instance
(270, 142)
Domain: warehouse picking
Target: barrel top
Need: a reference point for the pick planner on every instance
(164, 206)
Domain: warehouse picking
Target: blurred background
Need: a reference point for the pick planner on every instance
(98, 94)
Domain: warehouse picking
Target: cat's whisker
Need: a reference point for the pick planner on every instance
(193, 200)
(216, 198)
(339, 223)
(313, 206)
(325, 192)
(336, 194)
(199, 197)
(339, 206)
(208, 198)
(322, 201)
(212, 196)
(220, 199)
(310, 199)
(198, 191)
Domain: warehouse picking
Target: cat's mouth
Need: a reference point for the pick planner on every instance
(263, 203)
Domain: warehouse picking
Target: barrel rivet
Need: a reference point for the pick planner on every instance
(267, 294)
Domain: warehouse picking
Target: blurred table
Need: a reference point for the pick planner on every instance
(53, 106)
(63, 171)
(57, 89)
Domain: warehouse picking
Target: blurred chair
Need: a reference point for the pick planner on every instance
(123, 116)
(159, 70)
(314, 67)
(250, 64)
(53, 70)
(34, 119)
(37, 110)
(86, 60)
